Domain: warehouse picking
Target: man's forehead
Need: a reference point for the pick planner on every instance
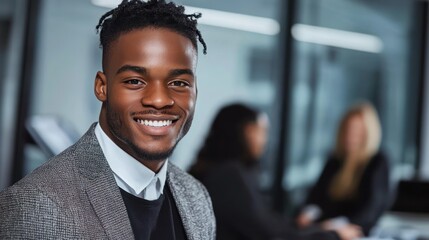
(155, 42)
(152, 36)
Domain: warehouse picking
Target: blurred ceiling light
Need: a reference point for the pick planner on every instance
(223, 19)
(237, 21)
(337, 38)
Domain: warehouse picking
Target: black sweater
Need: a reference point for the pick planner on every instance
(156, 220)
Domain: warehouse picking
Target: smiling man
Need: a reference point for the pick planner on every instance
(116, 181)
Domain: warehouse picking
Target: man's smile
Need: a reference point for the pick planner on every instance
(154, 123)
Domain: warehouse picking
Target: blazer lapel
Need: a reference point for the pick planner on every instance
(101, 188)
(184, 203)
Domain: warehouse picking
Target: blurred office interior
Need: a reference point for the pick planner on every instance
(302, 61)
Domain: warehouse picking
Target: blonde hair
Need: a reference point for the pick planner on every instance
(345, 183)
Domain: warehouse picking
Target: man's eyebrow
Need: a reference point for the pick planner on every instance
(178, 72)
(137, 69)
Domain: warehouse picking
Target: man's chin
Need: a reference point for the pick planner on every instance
(147, 155)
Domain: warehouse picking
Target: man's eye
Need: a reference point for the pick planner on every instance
(134, 81)
(179, 84)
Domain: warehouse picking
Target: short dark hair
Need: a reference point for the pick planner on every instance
(135, 14)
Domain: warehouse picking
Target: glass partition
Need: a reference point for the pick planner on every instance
(344, 52)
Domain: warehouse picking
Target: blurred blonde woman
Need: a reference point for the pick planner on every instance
(354, 184)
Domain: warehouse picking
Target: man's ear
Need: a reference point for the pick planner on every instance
(100, 86)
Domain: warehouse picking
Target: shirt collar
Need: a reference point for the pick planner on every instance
(131, 175)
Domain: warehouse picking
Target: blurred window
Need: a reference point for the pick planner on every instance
(345, 51)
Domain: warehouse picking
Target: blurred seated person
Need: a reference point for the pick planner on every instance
(354, 184)
(227, 164)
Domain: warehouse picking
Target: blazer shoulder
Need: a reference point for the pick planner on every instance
(28, 213)
(57, 179)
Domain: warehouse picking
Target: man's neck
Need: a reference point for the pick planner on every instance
(155, 166)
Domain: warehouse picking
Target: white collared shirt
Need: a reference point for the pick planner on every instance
(131, 175)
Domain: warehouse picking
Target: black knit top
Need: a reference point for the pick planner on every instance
(157, 219)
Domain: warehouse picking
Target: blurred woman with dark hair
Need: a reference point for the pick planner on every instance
(238, 133)
(227, 165)
(354, 185)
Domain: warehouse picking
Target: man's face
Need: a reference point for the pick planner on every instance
(148, 91)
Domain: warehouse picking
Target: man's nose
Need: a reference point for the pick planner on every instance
(157, 95)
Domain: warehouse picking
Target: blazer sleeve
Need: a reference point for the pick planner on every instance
(30, 214)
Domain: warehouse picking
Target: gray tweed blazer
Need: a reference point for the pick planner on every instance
(74, 196)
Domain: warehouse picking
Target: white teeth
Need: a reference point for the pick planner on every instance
(154, 123)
